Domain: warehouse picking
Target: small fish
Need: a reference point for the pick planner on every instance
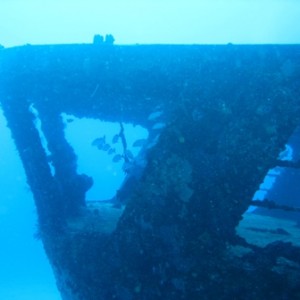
(139, 143)
(127, 167)
(158, 126)
(111, 151)
(115, 138)
(117, 158)
(69, 120)
(106, 147)
(128, 154)
(99, 142)
(153, 142)
(154, 115)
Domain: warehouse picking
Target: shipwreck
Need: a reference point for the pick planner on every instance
(227, 112)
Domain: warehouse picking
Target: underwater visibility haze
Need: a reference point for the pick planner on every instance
(157, 170)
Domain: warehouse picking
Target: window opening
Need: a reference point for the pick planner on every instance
(101, 152)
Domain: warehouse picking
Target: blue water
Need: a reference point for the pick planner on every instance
(25, 273)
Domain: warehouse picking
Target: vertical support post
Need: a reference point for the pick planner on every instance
(44, 187)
